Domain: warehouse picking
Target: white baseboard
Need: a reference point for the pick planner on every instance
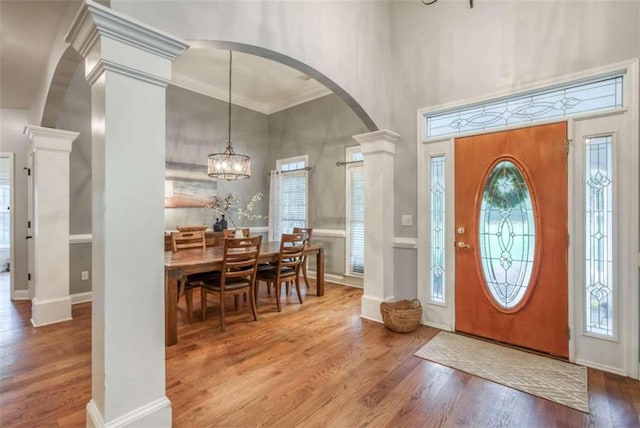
(336, 279)
(81, 297)
(602, 367)
(20, 295)
(50, 311)
(370, 307)
(155, 414)
(437, 325)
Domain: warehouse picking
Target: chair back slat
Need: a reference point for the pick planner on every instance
(305, 231)
(240, 258)
(291, 248)
(190, 239)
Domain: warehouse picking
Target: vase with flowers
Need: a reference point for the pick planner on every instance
(225, 205)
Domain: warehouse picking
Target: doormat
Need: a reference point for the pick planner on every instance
(544, 377)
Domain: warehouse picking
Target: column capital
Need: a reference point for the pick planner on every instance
(94, 20)
(50, 138)
(381, 141)
(109, 40)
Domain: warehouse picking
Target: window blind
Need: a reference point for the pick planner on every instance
(355, 219)
(294, 201)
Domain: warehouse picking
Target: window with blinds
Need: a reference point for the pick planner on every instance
(293, 193)
(355, 212)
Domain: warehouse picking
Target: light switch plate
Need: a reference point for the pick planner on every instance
(84, 275)
(407, 220)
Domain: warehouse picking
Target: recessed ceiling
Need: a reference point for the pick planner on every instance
(28, 29)
(258, 83)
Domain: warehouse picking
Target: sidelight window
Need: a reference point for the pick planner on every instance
(598, 222)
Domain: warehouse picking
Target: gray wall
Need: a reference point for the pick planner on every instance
(12, 139)
(447, 53)
(196, 126)
(79, 261)
(321, 129)
(75, 115)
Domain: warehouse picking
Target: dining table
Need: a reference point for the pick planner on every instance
(179, 264)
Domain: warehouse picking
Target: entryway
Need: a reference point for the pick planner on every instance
(511, 237)
(6, 173)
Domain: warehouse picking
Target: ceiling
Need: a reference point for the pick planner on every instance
(28, 28)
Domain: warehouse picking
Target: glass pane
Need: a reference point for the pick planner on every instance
(437, 213)
(599, 236)
(570, 99)
(507, 234)
(355, 219)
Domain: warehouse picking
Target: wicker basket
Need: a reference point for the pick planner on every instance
(403, 316)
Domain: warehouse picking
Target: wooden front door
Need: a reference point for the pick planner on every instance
(511, 237)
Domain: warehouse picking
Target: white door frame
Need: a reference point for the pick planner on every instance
(12, 222)
(443, 315)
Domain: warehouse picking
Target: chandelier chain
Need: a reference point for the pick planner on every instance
(229, 140)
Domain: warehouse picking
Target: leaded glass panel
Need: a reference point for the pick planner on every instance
(507, 234)
(570, 99)
(437, 214)
(599, 235)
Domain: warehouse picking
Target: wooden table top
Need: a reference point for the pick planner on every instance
(198, 256)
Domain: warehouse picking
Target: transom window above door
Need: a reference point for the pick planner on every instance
(569, 99)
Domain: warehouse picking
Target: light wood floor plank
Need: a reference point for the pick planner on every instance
(312, 365)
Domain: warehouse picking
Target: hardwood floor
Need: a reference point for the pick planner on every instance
(317, 364)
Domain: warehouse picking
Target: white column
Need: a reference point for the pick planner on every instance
(378, 149)
(128, 65)
(50, 302)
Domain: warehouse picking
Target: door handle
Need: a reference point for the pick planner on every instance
(463, 245)
(29, 237)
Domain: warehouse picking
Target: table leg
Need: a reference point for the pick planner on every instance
(320, 272)
(171, 306)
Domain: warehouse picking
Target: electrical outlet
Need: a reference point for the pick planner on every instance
(84, 275)
(407, 220)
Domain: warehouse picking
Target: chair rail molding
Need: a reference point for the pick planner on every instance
(83, 238)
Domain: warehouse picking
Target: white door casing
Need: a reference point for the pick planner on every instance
(619, 354)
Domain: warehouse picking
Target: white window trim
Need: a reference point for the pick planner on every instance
(349, 153)
(628, 250)
(300, 158)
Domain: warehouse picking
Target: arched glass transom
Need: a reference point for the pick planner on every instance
(507, 234)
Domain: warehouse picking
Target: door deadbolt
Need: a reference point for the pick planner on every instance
(461, 230)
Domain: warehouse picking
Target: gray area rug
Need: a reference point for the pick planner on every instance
(554, 380)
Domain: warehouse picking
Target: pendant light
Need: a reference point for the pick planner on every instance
(229, 165)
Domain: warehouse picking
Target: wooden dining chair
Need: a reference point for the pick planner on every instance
(238, 275)
(183, 241)
(287, 269)
(306, 232)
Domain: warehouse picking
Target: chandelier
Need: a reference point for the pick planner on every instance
(229, 165)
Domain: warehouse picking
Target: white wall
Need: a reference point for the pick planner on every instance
(12, 139)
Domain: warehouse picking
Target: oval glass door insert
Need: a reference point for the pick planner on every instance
(507, 234)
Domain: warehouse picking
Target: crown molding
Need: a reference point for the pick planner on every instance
(181, 81)
(298, 99)
(193, 85)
